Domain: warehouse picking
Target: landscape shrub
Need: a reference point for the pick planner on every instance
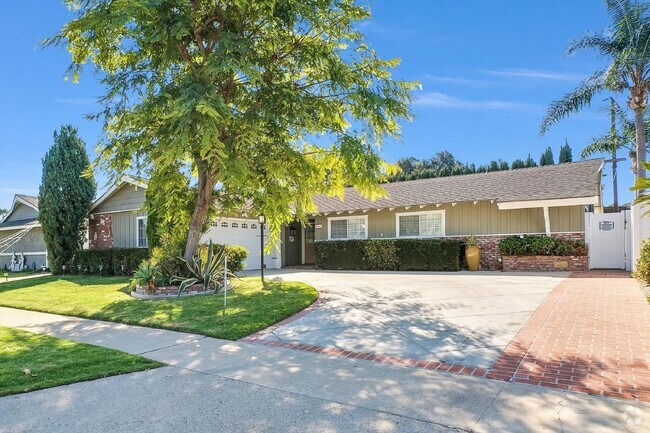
(167, 256)
(535, 245)
(642, 268)
(429, 254)
(345, 255)
(389, 254)
(381, 254)
(113, 261)
(236, 256)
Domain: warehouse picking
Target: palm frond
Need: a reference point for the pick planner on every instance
(574, 101)
(598, 42)
(599, 145)
(643, 184)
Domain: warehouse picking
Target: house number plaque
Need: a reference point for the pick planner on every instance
(606, 225)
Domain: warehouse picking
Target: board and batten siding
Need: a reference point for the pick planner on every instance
(123, 226)
(483, 218)
(33, 241)
(22, 212)
(128, 197)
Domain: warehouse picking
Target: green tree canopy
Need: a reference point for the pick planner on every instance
(530, 162)
(566, 154)
(547, 157)
(269, 102)
(65, 195)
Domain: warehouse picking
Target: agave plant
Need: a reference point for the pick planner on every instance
(209, 273)
(146, 275)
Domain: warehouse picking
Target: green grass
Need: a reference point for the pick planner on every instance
(30, 361)
(12, 275)
(250, 308)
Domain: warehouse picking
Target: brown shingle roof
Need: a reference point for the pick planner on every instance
(571, 180)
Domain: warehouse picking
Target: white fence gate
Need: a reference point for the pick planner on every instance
(609, 242)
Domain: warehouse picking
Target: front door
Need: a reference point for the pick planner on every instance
(310, 235)
(293, 244)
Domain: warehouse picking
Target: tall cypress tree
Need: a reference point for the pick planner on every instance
(64, 196)
(547, 157)
(566, 154)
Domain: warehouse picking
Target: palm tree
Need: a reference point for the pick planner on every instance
(614, 141)
(626, 45)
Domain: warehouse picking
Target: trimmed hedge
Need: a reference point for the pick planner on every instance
(389, 254)
(111, 259)
(531, 245)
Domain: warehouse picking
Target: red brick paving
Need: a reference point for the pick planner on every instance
(590, 335)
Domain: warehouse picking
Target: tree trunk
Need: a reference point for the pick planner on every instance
(203, 203)
(640, 146)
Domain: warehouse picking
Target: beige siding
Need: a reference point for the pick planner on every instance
(22, 212)
(123, 225)
(463, 219)
(128, 197)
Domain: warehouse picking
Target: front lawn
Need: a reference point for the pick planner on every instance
(12, 275)
(31, 361)
(250, 308)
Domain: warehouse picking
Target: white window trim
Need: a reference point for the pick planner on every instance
(137, 231)
(329, 225)
(399, 214)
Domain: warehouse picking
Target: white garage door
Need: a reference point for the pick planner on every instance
(243, 232)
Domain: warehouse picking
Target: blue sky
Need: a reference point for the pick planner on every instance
(488, 69)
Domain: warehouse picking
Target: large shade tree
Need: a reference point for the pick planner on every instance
(265, 102)
(626, 46)
(64, 197)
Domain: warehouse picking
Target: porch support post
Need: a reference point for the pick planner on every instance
(547, 221)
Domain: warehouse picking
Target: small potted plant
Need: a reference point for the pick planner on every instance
(472, 253)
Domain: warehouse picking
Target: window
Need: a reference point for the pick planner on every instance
(420, 224)
(234, 225)
(348, 227)
(224, 224)
(253, 226)
(141, 224)
(244, 225)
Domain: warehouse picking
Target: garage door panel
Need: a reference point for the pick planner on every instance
(245, 233)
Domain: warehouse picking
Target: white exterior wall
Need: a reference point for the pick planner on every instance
(640, 230)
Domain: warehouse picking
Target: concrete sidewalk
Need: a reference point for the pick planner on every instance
(216, 385)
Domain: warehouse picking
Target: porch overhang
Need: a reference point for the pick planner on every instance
(546, 204)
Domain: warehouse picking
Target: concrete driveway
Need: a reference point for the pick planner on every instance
(458, 318)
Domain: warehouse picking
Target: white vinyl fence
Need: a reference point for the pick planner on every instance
(640, 229)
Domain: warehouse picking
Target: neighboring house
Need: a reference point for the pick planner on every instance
(549, 200)
(118, 220)
(20, 232)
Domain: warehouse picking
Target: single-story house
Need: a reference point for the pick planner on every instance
(549, 200)
(21, 235)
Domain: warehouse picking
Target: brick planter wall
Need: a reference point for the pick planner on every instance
(489, 246)
(100, 231)
(166, 291)
(545, 263)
